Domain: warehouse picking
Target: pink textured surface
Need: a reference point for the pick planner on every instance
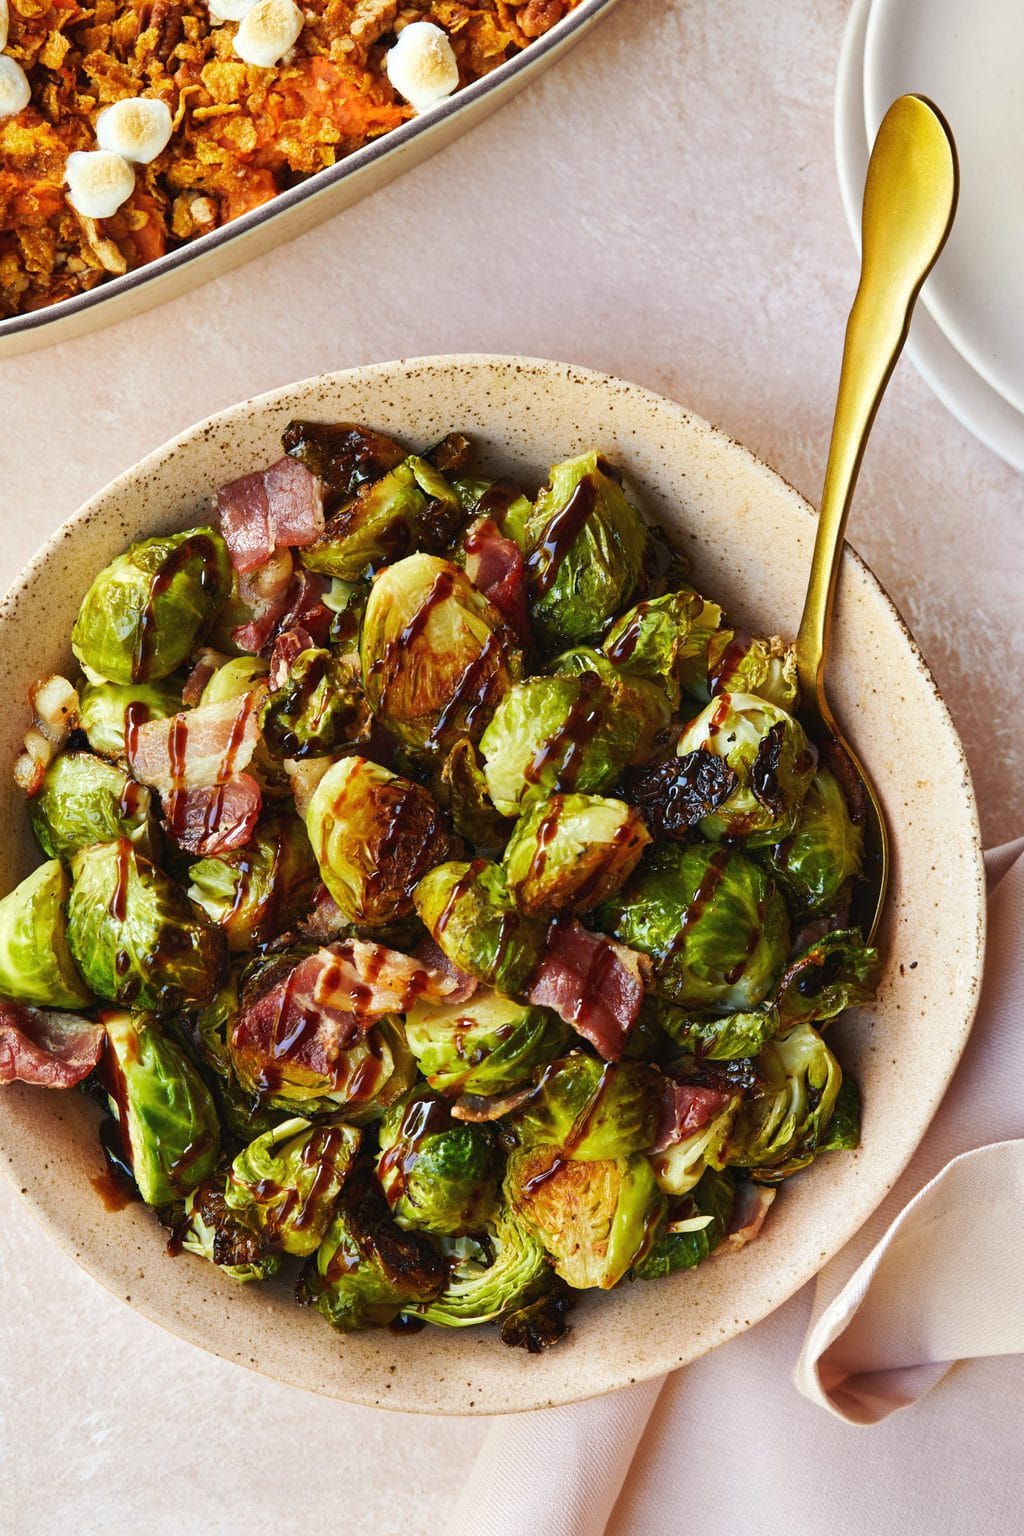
(663, 205)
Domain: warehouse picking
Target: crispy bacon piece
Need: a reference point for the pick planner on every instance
(54, 705)
(206, 663)
(45, 1047)
(288, 645)
(494, 564)
(281, 506)
(214, 818)
(434, 958)
(748, 1214)
(593, 983)
(199, 747)
(685, 1108)
(324, 920)
(301, 605)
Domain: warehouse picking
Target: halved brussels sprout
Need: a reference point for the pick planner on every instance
(285, 1184)
(486, 1045)
(318, 709)
(490, 1276)
(773, 760)
(587, 550)
(437, 1174)
(209, 1029)
(784, 1119)
(719, 1037)
(343, 454)
(710, 919)
(590, 1109)
(596, 1220)
(554, 734)
(83, 800)
(470, 914)
(135, 935)
(835, 972)
(211, 1230)
(462, 790)
(167, 1123)
(641, 708)
(652, 639)
(436, 655)
(694, 1228)
(386, 519)
(570, 852)
(36, 964)
(108, 710)
(147, 610)
(497, 499)
(681, 1166)
(816, 865)
(367, 1269)
(240, 675)
(374, 835)
(257, 892)
(738, 662)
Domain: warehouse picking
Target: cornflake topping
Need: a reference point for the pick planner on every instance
(422, 65)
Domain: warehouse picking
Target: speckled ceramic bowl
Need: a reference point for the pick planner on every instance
(749, 537)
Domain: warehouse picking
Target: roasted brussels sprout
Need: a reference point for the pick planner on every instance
(211, 1230)
(490, 1276)
(343, 455)
(285, 1184)
(238, 676)
(437, 1174)
(652, 639)
(136, 937)
(108, 710)
(835, 972)
(167, 1125)
(641, 708)
(386, 519)
(694, 1228)
(738, 662)
(436, 656)
(497, 499)
(596, 1220)
(784, 1119)
(588, 546)
(773, 760)
(570, 852)
(816, 865)
(553, 734)
(462, 790)
(680, 1167)
(36, 963)
(590, 1109)
(367, 1269)
(257, 892)
(374, 835)
(83, 800)
(470, 914)
(719, 1037)
(318, 709)
(710, 919)
(149, 608)
(485, 1045)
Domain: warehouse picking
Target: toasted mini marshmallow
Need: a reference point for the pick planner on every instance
(15, 91)
(136, 128)
(5, 21)
(229, 10)
(98, 182)
(266, 33)
(422, 65)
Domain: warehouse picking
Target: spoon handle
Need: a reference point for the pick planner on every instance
(909, 201)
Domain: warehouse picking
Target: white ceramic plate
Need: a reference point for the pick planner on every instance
(968, 57)
(301, 207)
(749, 536)
(973, 401)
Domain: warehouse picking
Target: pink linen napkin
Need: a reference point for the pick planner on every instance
(936, 1276)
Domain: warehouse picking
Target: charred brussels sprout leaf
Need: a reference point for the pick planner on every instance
(436, 655)
(693, 1230)
(36, 964)
(341, 454)
(486, 1045)
(640, 707)
(318, 709)
(652, 639)
(285, 1183)
(374, 835)
(463, 790)
(722, 1037)
(437, 1174)
(675, 796)
(817, 863)
(570, 852)
(540, 1323)
(771, 757)
(411, 505)
(166, 1119)
(367, 1269)
(843, 1133)
(712, 922)
(553, 734)
(587, 548)
(784, 1120)
(212, 1231)
(490, 1276)
(595, 1219)
(104, 711)
(136, 937)
(146, 611)
(470, 914)
(255, 893)
(836, 972)
(85, 800)
(590, 1109)
(681, 1166)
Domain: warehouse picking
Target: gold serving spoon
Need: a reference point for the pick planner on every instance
(909, 201)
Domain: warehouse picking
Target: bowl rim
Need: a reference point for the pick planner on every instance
(319, 183)
(974, 961)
